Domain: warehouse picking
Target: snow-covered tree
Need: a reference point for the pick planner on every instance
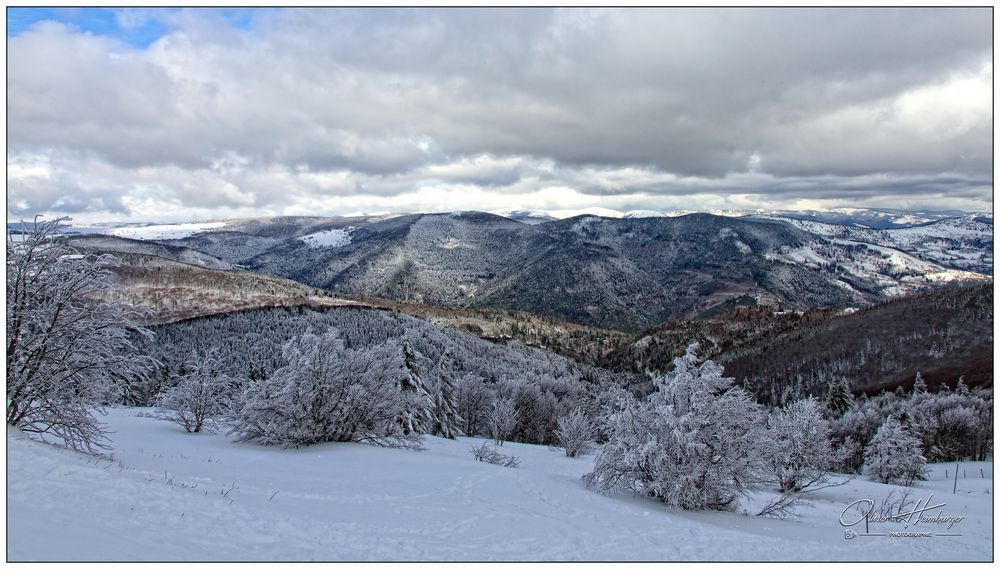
(200, 397)
(800, 454)
(962, 388)
(838, 397)
(502, 419)
(695, 443)
(69, 349)
(326, 393)
(576, 433)
(894, 455)
(447, 421)
(919, 385)
(474, 401)
(418, 417)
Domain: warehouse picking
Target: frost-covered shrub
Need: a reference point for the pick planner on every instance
(893, 456)
(695, 443)
(575, 433)
(199, 398)
(327, 392)
(800, 453)
(502, 419)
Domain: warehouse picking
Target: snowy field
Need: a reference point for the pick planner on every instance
(328, 238)
(170, 231)
(170, 495)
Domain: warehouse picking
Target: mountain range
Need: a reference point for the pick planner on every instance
(626, 273)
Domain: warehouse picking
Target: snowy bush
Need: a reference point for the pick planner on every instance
(487, 453)
(800, 452)
(695, 443)
(327, 392)
(893, 456)
(199, 398)
(68, 349)
(575, 433)
(502, 418)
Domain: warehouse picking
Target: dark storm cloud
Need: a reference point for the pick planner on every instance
(274, 108)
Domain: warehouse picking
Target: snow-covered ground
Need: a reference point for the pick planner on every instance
(171, 231)
(328, 238)
(170, 495)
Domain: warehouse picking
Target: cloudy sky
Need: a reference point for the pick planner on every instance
(175, 115)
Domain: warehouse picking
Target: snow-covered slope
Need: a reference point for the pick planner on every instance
(890, 272)
(328, 238)
(171, 495)
(170, 231)
(964, 243)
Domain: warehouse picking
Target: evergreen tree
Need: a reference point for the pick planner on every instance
(447, 421)
(838, 397)
(919, 386)
(962, 389)
(419, 418)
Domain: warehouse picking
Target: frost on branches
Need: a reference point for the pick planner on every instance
(200, 397)
(801, 453)
(694, 443)
(893, 456)
(502, 418)
(68, 350)
(576, 433)
(328, 393)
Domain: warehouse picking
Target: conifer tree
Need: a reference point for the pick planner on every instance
(416, 419)
(839, 397)
(447, 421)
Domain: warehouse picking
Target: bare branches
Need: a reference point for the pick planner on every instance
(487, 453)
(68, 350)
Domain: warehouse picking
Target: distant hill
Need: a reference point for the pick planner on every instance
(627, 273)
(944, 334)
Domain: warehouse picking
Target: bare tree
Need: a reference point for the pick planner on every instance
(502, 419)
(69, 350)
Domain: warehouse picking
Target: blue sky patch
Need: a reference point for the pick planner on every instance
(138, 27)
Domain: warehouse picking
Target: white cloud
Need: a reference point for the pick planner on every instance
(332, 111)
